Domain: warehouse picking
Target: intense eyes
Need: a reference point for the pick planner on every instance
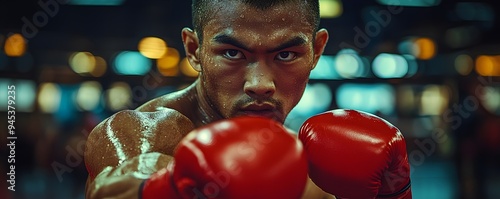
(284, 56)
(233, 54)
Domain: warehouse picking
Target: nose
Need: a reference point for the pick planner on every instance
(259, 82)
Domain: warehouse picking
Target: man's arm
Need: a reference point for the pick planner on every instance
(128, 147)
(312, 191)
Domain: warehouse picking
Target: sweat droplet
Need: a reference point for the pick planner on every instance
(242, 16)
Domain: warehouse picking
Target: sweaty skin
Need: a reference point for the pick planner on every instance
(248, 64)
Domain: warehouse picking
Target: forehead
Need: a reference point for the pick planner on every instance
(245, 22)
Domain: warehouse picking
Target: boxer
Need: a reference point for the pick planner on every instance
(254, 58)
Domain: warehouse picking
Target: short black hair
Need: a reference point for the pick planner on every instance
(200, 10)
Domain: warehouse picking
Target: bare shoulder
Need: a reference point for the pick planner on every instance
(130, 133)
(163, 127)
(182, 101)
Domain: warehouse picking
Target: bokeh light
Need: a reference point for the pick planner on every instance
(330, 8)
(370, 98)
(152, 47)
(434, 100)
(49, 97)
(349, 65)
(390, 66)
(15, 45)
(168, 65)
(25, 95)
(317, 98)
(324, 68)
(464, 64)
(67, 111)
(131, 63)
(424, 48)
(100, 67)
(487, 65)
(420, 47)
(187, 69)
(412, 65)
(407, 101)
(88, 96)
(118, 96)
(490, 99)
(82, 63)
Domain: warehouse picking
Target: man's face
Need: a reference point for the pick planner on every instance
(256, 62)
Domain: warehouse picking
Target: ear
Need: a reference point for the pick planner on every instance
(191, 46)
(319, 44)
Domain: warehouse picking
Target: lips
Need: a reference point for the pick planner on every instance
(264, 110)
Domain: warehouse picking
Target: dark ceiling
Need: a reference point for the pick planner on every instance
(104, 30)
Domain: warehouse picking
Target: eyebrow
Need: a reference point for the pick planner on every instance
(226, 39)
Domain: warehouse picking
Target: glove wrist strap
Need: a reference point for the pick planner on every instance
(403, 190)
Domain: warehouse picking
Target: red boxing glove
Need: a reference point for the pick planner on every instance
(354, 154)
(245, 157)
(159, 185)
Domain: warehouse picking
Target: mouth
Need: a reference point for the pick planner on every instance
(262, 110)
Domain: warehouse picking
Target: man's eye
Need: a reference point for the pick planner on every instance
(233, 54)
(286, 56)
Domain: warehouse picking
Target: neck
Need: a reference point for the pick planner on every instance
(206, 113)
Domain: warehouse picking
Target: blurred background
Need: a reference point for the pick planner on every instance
(431, 67)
